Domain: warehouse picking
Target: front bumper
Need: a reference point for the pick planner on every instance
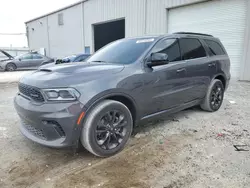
(49, 124)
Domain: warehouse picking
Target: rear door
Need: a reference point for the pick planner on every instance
(197, 67)
(37, 60)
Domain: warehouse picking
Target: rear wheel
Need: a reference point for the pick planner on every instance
(107, 128)
(214, 96)
(10, 67)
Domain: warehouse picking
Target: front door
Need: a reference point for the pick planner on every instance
(24, 61)
(167, 84)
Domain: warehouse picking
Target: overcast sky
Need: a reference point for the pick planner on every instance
(13, 14)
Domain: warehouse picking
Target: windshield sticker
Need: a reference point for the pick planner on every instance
(145, 40)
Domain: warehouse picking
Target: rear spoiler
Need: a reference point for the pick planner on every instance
(7, 54)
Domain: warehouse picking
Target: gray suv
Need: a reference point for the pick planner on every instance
(127, 82)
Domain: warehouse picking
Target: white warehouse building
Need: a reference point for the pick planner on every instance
(86, 26)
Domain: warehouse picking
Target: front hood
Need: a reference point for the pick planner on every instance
(81, 67)
(7, 54)
(6, 60)
(69, 74)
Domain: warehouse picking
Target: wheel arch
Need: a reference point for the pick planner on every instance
(222, 78)
(122, 97)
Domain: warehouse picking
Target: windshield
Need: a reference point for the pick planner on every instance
(123, 51)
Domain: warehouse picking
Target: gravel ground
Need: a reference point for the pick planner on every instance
(10, 77)
(190, 149)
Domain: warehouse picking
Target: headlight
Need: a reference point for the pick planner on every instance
(61, 94)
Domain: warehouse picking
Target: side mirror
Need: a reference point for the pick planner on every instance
(158, 59)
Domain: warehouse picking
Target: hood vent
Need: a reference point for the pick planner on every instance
(45, 70)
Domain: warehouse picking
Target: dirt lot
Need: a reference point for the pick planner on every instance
(10, 77)
(191, 149)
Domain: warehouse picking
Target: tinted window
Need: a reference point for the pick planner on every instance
(123, 51)
(191, 49)
(37, 56)
(169, 47)
(214, 47)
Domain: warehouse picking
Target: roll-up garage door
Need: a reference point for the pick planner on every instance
(223, 19)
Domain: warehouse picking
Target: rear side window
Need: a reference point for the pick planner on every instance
(169, 47)
(215, 47)
(37, 56)
(191, 49)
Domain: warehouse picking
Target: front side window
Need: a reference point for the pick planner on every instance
(169, 47)
(124, 51)
(191, 49)
(26, 57)
(214, 47)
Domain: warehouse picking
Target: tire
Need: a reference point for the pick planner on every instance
(102, 134)
(214, 97)
(10, 67)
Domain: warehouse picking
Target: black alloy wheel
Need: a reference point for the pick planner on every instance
(107, 128)
(111, 129)
(216, 96)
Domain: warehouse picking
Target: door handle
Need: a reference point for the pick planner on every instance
(211, 64)
(181, 70)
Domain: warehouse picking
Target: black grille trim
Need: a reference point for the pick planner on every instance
(37, 132)
(31, 92)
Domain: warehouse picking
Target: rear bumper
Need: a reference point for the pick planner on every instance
(52, 125)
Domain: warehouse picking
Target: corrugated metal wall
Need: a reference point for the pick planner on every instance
(98, 11)
(38, 34)
(66, 39)
(142, 17)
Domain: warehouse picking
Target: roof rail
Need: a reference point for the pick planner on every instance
(190, 33)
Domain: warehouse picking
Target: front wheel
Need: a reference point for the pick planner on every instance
(107, 128)
(10, 67)
(214, 96)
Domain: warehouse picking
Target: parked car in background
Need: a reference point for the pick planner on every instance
(68, 59)
(128, 82)
(8, 56)
(31, 60)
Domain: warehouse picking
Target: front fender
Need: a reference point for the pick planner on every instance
(93, 101)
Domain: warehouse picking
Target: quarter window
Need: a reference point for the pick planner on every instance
(214, 47)
(169, 47)
(191, 49)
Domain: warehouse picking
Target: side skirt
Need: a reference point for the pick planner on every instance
(166, 112)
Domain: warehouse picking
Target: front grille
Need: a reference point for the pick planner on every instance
(34, 131)
(31, 92)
